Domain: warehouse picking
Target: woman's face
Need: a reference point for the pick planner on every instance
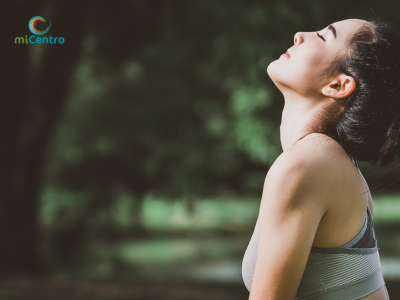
(309, 56)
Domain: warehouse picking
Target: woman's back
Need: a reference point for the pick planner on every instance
(347, 204)
(345, 220)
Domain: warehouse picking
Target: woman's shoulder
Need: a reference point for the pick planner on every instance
(305, 176)
(313, 151)
(316, 160)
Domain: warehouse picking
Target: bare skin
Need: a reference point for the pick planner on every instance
(345, 215)
(313, 194)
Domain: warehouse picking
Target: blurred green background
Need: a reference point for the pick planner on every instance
(133, 155)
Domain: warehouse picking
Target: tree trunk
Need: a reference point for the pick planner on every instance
(27, 119)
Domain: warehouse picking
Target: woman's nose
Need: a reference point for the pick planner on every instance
(298, 38)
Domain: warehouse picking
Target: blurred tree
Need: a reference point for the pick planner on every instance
(163, 97)
(32, 109)
(174, 101)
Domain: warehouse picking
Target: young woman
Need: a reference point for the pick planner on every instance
(314, 236)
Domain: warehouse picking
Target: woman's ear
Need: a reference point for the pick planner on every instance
(341, 87)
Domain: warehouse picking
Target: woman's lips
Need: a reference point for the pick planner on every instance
(286, 54)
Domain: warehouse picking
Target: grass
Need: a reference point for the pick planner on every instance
(225, 223)
(387, 208)
(163, 214)
(209, 213)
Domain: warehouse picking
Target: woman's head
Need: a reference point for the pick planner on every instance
(359, 73)
(310, 55)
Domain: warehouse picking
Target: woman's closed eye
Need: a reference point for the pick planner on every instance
(321, 36)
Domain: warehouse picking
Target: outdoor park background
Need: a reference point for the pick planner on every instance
(133, 155)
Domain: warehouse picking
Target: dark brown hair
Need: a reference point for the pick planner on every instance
(367, 123)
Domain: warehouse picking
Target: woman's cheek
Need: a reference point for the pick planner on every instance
(309, 64)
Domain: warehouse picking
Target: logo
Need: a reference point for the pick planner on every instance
(37, 39)
(32, 25)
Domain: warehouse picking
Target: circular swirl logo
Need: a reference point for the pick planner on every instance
(32, 25)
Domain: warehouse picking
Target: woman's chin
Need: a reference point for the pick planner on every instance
(274, 69)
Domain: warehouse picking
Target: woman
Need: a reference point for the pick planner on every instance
(314, 236)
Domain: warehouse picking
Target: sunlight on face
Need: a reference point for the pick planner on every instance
(311, 53)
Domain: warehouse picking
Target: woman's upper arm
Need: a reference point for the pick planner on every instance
(290, 212)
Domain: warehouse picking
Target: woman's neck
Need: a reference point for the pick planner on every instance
(299, 119)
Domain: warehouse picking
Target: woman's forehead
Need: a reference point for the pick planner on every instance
(346, 27)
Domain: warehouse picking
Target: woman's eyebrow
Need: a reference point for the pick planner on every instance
(333, 30)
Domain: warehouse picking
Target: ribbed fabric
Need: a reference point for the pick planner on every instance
(349, 272)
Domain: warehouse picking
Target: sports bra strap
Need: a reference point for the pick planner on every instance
(354, 161)
(360, 234)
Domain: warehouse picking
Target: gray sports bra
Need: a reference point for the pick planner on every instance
(349, 272)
